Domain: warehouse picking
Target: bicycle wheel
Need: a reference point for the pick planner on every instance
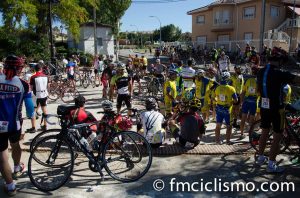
(50, 164)
(53, 91)
(85, 82)
(128, 156)
(255, 133)
(69, 94)
(93, 81)
(42, 135)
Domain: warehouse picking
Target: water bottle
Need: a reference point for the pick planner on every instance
(91, 138)
(85, 143)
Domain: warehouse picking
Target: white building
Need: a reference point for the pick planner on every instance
(105, 39)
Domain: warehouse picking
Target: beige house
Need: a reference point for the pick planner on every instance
(230, 22)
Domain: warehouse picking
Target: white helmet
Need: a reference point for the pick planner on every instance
(225, 75)
(200, 72)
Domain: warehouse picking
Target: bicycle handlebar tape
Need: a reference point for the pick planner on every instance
(29, 107)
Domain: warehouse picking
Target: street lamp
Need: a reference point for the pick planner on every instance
(159, 29)
(61, 33)
(137, 31)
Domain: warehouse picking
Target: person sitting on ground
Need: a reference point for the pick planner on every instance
(151, 124)
(80, 115)
(191, 127)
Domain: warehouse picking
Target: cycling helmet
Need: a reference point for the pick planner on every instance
(121, 66)
(13, 62)
(41, 62)
(150, 104)
(79, 101)
(225, 75)
(157, 60)
(188, 94)
(107, 105)
(200, 72)
(196, 103)
(173, 71)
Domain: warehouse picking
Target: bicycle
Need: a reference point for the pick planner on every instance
(63, 89)
(290, 135)
(87, 79)
(56, 152)
(154, 84)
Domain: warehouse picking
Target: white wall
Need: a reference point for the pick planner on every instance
(86, 41)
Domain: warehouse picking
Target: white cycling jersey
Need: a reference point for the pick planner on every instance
(188, 75)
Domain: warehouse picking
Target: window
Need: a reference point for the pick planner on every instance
(248, 36)
(200, 20)
(201, 39)
(223, 38)
(99, 42)
(275, 12)
(222, 17)
(249, 13)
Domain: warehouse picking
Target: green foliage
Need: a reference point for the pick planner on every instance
(169, 33)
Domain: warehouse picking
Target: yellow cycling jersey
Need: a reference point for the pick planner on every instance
(136, 61)
(237, 83)
(170, 87)
(224, 95)
(144, 61)
(250, 87)
(203, 87)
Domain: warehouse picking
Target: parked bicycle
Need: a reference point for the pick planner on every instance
(125, 155)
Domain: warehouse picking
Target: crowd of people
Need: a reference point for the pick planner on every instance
(191, 99)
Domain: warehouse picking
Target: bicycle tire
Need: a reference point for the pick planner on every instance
(255, 133)
(93, 81)
(68, 95)
(41, 136)
(123, 143)
(52, 179)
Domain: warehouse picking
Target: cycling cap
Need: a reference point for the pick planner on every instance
(107, 105)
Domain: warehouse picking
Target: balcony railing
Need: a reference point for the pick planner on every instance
(289, 23)
(221, 25)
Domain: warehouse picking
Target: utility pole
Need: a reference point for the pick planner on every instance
(262, 25)
(292, 29)
(51, 34)
(95, 31)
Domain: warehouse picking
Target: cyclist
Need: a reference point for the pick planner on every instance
(211, 73)
(80, 115)
(249, 97)
(225, 96)
(203, 89)
(1, 68)
(123, 84)
(97, 67)
(39, 86)
(190, 128)
(237, 81)
(254, 58)
(152, 123)
(187, 75)
(159, 70)
(270, 81)
(70, 70)
(170, 92)
(13, 91)
(144, 62)
(223, 63)
(106, 77)
(136, 61)
(133, 73)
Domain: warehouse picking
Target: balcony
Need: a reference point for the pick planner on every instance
(222, 25)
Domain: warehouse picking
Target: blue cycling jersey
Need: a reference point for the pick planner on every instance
(12, 94)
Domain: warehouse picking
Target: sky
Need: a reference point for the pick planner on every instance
(169, 13)
(137, 15)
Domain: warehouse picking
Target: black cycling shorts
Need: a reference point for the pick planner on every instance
(41, 101)
(123, 97)
(274, 117)
(12, 137)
